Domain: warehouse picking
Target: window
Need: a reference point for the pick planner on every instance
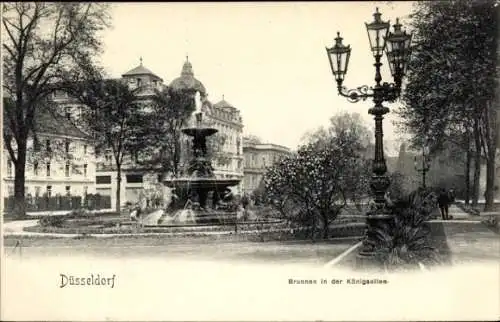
(68, 190)
(138, 82)
(67, 169)
(48, 169)
(47, 145)
(85, 190)
(85, 149)
(66, 146)
(9, 167)
(10, 190)
(37, 191)
(103, 179)
(35, 168)
(49, 191)
(134, 178)
(67, 111)
(36, 145)
(85, 166)
(60, 94)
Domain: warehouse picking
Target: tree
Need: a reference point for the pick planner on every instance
(112, 115)
(452, 81)
(42, 41)
(323, 175)
(158, 145)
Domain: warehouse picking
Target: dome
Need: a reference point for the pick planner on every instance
(140, 70)
(223, 104)
(187, 80)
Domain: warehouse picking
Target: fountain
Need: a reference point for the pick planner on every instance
(192, 191)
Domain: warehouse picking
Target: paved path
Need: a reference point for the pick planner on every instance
(465, 239)
(458, 215)
(59, 212)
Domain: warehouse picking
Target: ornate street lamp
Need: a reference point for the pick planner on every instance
(396, 45)
(425, 165)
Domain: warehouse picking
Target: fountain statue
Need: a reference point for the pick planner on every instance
(191, 203)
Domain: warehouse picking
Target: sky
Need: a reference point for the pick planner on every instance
(267, 59)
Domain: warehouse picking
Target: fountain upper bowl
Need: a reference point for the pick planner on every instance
(203, 131)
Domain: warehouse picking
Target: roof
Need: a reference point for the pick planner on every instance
(140, 70)
(50, 122)
(187, 80)
(265, 146)
(223, 104)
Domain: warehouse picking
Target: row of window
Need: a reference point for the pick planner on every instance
(130, 178)
(48, 172)
(251, 160)
(48, 190)
(232, 116)
(48, 147)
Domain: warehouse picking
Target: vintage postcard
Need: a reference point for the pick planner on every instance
(250, 161)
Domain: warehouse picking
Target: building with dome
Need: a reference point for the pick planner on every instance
(142, 77)
(187, 81)
(228, 163)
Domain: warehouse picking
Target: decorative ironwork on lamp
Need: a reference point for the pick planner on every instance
(396, 46)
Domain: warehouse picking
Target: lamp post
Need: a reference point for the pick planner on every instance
(424, 166)
(396, 45)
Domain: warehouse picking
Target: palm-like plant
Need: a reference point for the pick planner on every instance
(407, 242)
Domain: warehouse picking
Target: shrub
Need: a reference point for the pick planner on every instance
(52, 221)
(492, 223)
(407, 241)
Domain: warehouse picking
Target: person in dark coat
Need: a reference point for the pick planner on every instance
(443, 203)
(245, 201)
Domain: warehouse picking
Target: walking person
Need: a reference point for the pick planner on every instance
(444, 203)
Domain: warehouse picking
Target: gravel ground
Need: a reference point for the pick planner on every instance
(206, 248)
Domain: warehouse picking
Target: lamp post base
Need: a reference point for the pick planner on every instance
(378, 235)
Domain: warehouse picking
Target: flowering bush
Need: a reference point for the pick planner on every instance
(312, 186)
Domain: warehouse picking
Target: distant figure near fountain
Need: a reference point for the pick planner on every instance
(192, 203)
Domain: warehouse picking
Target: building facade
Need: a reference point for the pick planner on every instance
(60, 159)
(85, 173)
(228, 162)
(259, 157)
(134, 180)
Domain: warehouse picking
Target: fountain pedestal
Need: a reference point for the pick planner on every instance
(200, 180)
